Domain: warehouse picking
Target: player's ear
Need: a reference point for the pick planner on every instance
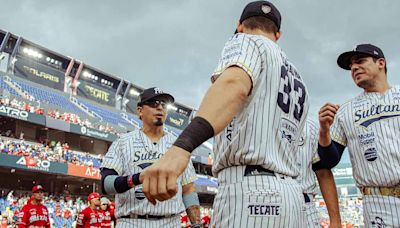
(278, 35)
(239, 27)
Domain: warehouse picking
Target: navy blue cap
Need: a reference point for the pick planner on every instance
(262, 8)
(155, 92)
(344, 60)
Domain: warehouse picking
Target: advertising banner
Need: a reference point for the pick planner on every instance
(39, 73)
(83, 171)
(35, 164)
(96, 93)
(91, 132)
(22, 115)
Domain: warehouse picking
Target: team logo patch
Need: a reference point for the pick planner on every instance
(266, 9)
(371, 154)
(378, 222)
(264, 209)
(139, 194)
(288, 130)
(366, 139)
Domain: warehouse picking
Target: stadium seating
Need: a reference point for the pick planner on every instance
(50, 97)
(5, 86)
(108, 116)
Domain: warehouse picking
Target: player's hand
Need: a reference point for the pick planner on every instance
(159, 181)
(326, 117)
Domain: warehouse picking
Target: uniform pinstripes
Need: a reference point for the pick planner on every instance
(308, 146)
(313, 218)
(130, 154)
(373, 147)
(255, 136)
(172, 222)
(308, 149)
(237, 192)
(381, 210)
(264, 134)
(369, 125)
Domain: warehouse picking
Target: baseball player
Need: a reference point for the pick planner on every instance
(369, 125)
(34, 213)
(256, 108)
(108, 216)
(135, 152)
(90, 217)
(308, 161)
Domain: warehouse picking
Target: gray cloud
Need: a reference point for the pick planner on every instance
(176, 44)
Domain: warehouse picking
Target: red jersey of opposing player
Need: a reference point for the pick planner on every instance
(206, 221)
(34, 214)
(90, 217)
(107, 213)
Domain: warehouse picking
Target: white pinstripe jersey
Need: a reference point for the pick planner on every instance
(307, 155)
(265, 131)
(369, 125)
(132, 153)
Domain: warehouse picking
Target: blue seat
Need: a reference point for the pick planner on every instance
(107, 115)
(50, 97)
(5, 86)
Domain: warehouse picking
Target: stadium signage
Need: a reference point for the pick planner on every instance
(97, 93)
(13, 112)
(37, 72)
(33, 164)
(42, 74)
(179, 122)
(84, 171)
(91, 132)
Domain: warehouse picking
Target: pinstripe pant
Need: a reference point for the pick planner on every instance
(313, 219)
(172, 222)
(257, 201)
(381, 211)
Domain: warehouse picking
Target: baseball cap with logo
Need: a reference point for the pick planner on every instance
(264, 9)
(93, 195)
(154, 92)
(37, 188)
(344, 60)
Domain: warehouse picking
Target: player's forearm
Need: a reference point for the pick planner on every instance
(194, 214)
(328, 190)
(225, 98)
(192, 204)
(324, 137)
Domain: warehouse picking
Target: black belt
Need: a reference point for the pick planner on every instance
(306, 198)
(132, 216)
(254, 170)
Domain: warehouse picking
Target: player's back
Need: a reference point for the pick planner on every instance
(265, 131)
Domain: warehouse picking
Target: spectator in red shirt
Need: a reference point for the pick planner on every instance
(34, 213)
(107, 212)
(90, 217)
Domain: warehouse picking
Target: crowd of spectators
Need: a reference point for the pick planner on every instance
(54, 152)
(63, 210)
(56, 114)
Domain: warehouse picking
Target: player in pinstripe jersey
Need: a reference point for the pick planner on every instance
(134, 152)
(308, 161)
(256, 108)
(369, 125)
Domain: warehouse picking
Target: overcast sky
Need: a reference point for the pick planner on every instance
(176, 44)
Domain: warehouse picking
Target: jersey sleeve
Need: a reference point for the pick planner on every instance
(112, 159)
(23, 217)
(81, 219)
(313, 134)
(189, 175)
(242, 51)
(337, 131)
